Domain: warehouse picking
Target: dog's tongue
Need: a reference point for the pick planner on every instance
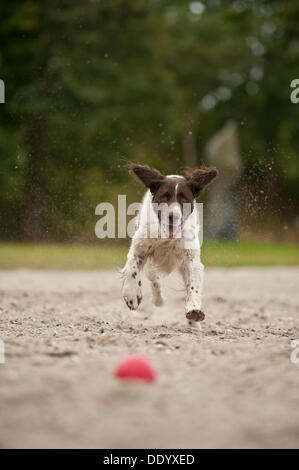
(170, 231)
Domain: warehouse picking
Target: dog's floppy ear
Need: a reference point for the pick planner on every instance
(150, 177)
(200, 178)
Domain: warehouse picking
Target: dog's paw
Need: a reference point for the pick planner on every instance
(195, 315)
(132, 301)
(132, 294)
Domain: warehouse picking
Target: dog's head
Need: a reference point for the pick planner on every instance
(175, 193)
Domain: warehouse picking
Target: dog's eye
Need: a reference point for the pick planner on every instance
(184, 200)
(165, 197)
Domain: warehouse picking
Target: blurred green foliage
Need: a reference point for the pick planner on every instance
(91, 83)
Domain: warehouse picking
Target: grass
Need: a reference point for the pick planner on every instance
(67, 256)
(250, 253)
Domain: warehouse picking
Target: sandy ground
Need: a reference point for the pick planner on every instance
(232, 384)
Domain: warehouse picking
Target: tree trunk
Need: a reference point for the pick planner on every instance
(34, 183)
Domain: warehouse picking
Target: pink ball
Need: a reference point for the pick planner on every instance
(135, 368)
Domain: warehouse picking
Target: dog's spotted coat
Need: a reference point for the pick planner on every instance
(162, 244)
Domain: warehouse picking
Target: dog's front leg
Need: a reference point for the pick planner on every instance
(131, 290)
(193, 270)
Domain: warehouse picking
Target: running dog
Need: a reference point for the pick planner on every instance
(167, 236)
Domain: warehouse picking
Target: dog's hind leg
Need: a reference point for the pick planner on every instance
(151, 272)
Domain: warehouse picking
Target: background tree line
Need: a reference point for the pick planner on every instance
(92, 83)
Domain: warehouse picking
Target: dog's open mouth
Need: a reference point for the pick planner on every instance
(171, 230)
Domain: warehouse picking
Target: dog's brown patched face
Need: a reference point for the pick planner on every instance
(173, 189)
(177, 192)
